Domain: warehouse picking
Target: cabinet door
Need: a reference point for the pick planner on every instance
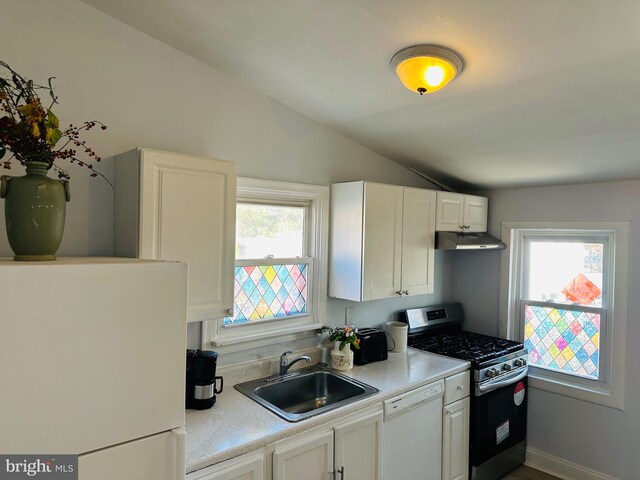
(246, 467)
(358, 448)
(449, 212)
(455, 439)
(418, 241)
(475, 213)
(311, 459)
(382, 241)
(187, 213)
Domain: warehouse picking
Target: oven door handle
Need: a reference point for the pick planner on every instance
(489, 387)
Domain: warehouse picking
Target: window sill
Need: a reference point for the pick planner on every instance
(242, 340)
(592, 394)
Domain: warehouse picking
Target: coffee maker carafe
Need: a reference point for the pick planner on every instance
(201, 379)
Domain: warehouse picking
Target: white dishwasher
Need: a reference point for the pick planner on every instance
(412, 434)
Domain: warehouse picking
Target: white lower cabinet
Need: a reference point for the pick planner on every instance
(351, 450)
(309, 459)
(358, 448)
(455, 428)
(245, 467)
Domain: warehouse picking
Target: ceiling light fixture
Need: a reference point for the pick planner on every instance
(426, 68)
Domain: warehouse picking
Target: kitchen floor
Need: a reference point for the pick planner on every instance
(528, 473)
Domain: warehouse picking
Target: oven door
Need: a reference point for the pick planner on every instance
(498, 425)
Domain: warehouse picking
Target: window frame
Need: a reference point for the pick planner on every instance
(227, 338)
(609, 389)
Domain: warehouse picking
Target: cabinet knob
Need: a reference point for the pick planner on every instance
(230, 311)
(399, 292)
(405, 292)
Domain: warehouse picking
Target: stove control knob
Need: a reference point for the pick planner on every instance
(492, 372)
(506, 367)
(520, 362)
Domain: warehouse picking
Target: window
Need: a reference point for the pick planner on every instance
(271, 279)
(562, 302)
(566, 289)
(280, 274)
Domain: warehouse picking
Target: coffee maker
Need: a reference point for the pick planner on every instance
(201, 379)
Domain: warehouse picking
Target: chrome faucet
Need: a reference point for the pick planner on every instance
(285, 364)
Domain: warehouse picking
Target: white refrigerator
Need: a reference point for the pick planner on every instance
(92, 363)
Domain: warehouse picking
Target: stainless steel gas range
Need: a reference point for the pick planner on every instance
(498, 425)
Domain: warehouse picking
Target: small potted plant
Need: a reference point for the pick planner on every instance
(35, 205)
(344, 338)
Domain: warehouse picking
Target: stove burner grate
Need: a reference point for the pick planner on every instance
(465, 345)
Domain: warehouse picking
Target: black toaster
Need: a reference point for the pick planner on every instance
(373, 346)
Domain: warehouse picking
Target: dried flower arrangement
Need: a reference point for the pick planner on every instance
(30, 130)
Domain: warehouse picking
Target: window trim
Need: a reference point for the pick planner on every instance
(248, 336)
(610, 392)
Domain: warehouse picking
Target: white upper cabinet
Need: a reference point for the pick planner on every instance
(382, 241)
(418, 227)
(461, 213)
(171, 206)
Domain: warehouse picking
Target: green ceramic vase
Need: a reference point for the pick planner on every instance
(35, 209)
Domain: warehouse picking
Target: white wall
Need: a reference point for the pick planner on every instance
(151, 95)
(599, 438)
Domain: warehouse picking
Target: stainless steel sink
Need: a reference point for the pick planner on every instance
(305, 392)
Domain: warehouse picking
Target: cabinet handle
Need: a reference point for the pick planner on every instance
(406, 292)
(399, 292)
(448, 411)
(230, 311)
(341, 472)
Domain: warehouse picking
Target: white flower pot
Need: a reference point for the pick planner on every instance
(341, 359)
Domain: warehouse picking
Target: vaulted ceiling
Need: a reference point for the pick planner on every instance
(548, 95)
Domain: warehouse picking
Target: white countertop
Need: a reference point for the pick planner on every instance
(236, 424)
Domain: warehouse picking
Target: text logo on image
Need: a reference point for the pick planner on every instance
(49, 467)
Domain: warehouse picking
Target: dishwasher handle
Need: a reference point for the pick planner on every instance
(413, 399)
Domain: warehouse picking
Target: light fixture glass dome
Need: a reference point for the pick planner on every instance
(426, 68)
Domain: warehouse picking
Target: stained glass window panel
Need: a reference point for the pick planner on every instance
(264, 292)
(563, 340)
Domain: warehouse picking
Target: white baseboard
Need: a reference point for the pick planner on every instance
(561, 468)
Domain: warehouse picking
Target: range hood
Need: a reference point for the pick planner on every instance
(467, 241)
